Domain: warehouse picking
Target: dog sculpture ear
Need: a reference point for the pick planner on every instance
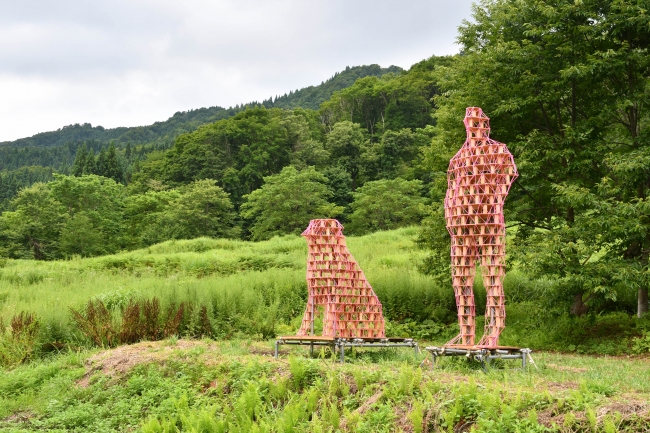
(309, 230)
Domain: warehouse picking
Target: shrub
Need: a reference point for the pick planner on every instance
(96, 323)
(140, 319)
(18, 342)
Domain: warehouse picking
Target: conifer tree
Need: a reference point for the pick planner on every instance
(113, 168)
(79, 161)
(101, 163)
(90, 166)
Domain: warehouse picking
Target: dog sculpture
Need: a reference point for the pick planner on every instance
(337, 284)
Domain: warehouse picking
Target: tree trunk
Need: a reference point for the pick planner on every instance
(579, 308)
(642, 307)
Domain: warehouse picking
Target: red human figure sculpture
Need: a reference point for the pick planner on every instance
(479, 178)
(336, 282)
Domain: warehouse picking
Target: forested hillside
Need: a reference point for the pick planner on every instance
(312, 96)
(56, 150)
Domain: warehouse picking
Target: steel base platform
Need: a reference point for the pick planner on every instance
(339, 344)
(484, 355)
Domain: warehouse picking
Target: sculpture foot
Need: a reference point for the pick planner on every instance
(489, 341)
(458, 341)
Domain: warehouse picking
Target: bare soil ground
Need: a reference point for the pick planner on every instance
(119, 361)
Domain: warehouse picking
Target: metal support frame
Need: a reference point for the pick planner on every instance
(340, 344)
(301, 342)
(482, 354)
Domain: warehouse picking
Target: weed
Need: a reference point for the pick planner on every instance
(416, 416)
(641, 344)
(96, 323)
(151, 318)
(173, 321)
(18, 342)
(131, 331)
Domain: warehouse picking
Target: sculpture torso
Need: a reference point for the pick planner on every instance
(479, 178)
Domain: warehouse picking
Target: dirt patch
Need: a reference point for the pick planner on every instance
(352, 384)
(119, 361)
(18, 418)
(548, 417)
(401, 416)
(560, 386)
(446, 377)
(368, 403)
(626, 409)
(261, 351)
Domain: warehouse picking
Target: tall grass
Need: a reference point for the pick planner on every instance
(255, 289)
(242, 288)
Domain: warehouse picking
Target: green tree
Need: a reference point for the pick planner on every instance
(100, 163)
(32, 230)
(201, 209)
(90, 166)
(346, 143)
(287, 201)
(565, 84)
(340, 184)
(396, 154)
(143, 214)
(393, 102)
(80, 236)
(77, 168)
(112, 166)
(238, 152)
(386, 204)
(101, 202)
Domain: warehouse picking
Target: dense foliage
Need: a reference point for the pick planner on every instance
(566, 86)
(12, 181)
(91, 215)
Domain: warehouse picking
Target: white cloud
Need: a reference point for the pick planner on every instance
(126, 63)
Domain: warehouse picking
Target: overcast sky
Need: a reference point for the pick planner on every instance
(134, 62)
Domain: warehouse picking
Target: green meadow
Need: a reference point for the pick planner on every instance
(67, 367)
(236, 280)
(257, 290)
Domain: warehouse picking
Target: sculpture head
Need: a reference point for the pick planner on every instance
(477, 124)
(323, 227)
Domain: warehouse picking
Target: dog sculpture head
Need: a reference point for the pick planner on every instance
(323, 227)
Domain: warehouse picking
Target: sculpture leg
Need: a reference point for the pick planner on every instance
(307, 326)
(463, 269)
(331, 319)
(493, 269)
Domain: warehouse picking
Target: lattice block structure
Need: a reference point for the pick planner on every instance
(479, 178)
(337, 283)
